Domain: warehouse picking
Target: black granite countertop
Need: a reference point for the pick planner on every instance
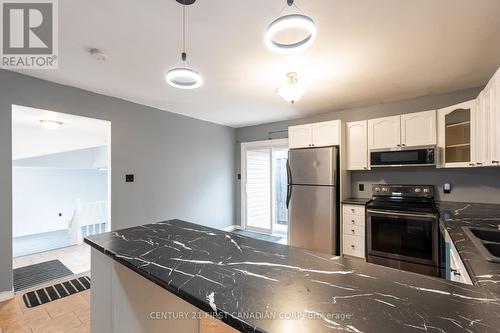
(258, 286)
(356, 201)
(454, 216)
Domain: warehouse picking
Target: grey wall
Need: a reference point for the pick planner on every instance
(183, 167)
(469, 185)
(461, 181)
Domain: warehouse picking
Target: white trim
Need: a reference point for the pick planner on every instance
(277, 143)
(6, 295)
(232, 227)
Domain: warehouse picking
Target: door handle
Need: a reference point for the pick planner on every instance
(288, 195)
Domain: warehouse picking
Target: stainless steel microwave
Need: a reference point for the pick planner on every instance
(404, 156)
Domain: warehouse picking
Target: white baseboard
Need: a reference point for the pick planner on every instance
(6, 295)
(232, 227)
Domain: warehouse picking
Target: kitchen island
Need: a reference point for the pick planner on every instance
(145, 277)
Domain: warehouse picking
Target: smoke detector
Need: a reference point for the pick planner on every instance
(98, 54)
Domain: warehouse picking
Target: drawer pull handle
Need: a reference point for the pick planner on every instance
(495, 162)
(455, 272)
(353, 231)
(353, 246)
(353, 221)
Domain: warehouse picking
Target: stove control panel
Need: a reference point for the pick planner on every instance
(415, 191)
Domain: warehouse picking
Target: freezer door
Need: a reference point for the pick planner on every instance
(312, 218)
(313, 166)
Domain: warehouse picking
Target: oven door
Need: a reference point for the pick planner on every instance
(404, 236)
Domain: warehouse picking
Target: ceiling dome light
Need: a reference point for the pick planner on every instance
(183, 76)
(288, 23)
(51, 124)
(293, 90)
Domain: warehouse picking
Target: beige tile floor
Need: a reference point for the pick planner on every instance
(68, 315)
(76, 258)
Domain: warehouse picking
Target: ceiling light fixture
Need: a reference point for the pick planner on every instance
(289, 23)
(51, 124)
(293, 90)
(183, 76)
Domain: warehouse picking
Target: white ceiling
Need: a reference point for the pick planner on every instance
(30, 139)
(366, 52)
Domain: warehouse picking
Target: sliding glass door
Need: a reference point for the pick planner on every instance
(264, 186)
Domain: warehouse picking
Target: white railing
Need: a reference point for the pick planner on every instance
(89, 218)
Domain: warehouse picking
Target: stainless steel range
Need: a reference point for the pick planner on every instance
(402, 228)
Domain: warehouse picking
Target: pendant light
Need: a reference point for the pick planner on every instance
(183, 76)
(288, 23)
(293, 90)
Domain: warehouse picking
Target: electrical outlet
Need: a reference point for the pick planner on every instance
(361, 187)
(129, 178)
(447, 188)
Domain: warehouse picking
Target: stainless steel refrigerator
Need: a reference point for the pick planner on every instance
(312, 199)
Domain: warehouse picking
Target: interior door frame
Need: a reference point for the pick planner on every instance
(245, 146)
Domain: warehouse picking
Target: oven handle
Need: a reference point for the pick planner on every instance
(398, 213)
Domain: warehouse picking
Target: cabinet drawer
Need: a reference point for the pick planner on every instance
(354, 209)
(356, 220)
(354, 230)
(354, 246)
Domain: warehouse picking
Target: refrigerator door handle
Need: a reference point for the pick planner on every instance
(288, 195)
(289, 187)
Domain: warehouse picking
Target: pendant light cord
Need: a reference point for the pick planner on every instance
(184, 56)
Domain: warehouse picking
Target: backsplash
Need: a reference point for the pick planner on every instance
(480, 185)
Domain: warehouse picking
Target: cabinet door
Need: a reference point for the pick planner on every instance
(494, 122)
(357, 145)
(455, 139)
(300, 136)
(384, 132)
(326, 133)
(480, 129)
(419, 129)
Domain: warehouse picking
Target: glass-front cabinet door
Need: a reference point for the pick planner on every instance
(456, 139)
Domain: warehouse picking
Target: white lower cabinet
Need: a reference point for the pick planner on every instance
(353, 230)
(456, 269)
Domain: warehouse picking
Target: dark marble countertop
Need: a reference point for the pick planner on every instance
(454, 216)
(258, 286)
(356, 201)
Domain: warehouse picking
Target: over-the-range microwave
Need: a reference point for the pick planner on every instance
(403, 156)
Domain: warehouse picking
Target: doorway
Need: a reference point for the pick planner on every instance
(264, 187)
(61, 170)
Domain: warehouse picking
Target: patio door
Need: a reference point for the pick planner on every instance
(264, 186)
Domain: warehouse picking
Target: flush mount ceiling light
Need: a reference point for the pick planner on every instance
(51, 124)
(183, 76)
(293, 90)
(286, 25)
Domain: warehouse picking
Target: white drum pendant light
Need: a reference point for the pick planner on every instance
(288, 23)
(183, 76)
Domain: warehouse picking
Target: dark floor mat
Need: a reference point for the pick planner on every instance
(33, 275)
(55, 292)
(258, 235)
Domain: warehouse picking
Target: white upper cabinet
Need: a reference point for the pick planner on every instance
(322, 134)
(384, 132)
(419, 129)
(300, 136)
(494, 118)
(326, 133)
(456, 141)
(357, 145)
(481, 129)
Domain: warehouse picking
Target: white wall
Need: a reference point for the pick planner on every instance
(40, 194)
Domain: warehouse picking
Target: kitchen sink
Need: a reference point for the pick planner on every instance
(493, 248)
(487, 241)
(489, 235)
